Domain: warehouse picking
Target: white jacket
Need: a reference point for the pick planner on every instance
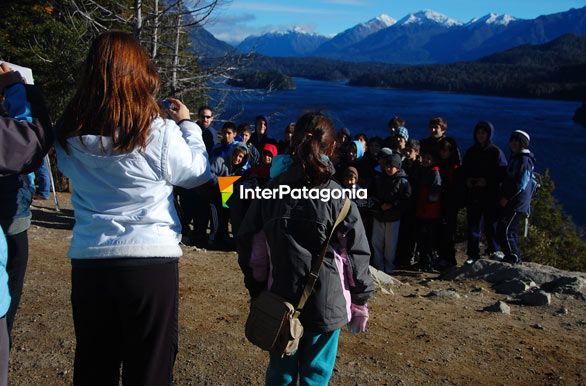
(124, 202)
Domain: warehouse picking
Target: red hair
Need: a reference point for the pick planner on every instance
(115, 96)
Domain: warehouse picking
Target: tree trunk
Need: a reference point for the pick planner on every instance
(174, 85)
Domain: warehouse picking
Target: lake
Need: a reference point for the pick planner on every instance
(558, 142)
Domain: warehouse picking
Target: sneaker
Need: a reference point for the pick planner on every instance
(497, 256)
(512, 259)
(471, 260)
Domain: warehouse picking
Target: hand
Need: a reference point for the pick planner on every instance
(503, 202)
(359, 318)
(8, 77)
(386, 206)
(179, 111)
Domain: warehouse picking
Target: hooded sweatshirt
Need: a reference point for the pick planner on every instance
(222, 166)
(484, 161)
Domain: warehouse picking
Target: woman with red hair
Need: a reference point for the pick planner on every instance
(123, 160)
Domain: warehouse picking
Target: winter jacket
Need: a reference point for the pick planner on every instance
(222, 150)
(209, 137)
(26, 105)
(487, 162)
(430, 145)
(517, 185)
(394, 190)
(123, 202)
(28, 143)
(222, 166)
(428, 205)
(295, 231)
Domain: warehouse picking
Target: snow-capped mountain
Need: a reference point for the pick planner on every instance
(421, 37)
(294, 42)
(353, 35)
(491, 18)
(427, 17)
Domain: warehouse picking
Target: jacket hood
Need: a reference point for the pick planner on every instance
(488, 126)
(95, 151)
(359, 149)
(238, 146)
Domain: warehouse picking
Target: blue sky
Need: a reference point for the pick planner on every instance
(237, 19)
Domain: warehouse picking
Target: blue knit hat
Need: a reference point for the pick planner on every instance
(402, 132)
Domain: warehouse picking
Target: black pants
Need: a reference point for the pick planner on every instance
(481, 218)
(407, 239)
(125, 314)
(16, 268)
(447, 235)
(427, 232)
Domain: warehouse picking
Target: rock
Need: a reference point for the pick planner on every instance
(383, 281)
(497, 272)
(535, 297)
(538, 326)
(443, 294)
(514, 286)
(575, 286)
(499, 306)
(383, 278)
(562, 311)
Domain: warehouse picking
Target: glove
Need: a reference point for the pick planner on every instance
(359, 318)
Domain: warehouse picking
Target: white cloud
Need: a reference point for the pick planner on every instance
(235, 28)
(266, 7)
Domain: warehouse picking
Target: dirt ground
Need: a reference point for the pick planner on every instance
(412, 339)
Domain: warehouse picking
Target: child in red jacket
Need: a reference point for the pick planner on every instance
(429, 210)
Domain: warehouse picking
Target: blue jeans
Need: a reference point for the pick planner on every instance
(43, 181)
(313, 362)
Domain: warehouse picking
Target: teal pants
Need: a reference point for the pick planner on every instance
(313, 362)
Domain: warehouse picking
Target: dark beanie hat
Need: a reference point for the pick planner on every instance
(394, 160)
(385, 153)
(522, 137)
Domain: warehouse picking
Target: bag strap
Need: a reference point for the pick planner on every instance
(314, 274)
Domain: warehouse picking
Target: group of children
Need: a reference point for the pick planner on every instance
(415, 189)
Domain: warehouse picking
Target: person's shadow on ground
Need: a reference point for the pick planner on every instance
(53, 219)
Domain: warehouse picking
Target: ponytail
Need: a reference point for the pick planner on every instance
(312, 139)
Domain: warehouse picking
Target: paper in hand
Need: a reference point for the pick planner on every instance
(25, 72)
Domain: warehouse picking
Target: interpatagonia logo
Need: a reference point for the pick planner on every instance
(226, 185)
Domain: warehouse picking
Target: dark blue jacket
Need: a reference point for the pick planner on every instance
(23, 103)
(517, 185)
(487, 162)
(394, 190)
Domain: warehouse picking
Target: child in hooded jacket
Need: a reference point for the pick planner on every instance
(429, 211)
(279, 240)
(515, 195)
(483, 169)
(232, 165)
(392, 191)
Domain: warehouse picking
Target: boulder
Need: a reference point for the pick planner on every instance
(499, 306)
(535, 297)
(443, 294)
(495, 272)
(575, 286)
(512, 287)
(383, 281)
